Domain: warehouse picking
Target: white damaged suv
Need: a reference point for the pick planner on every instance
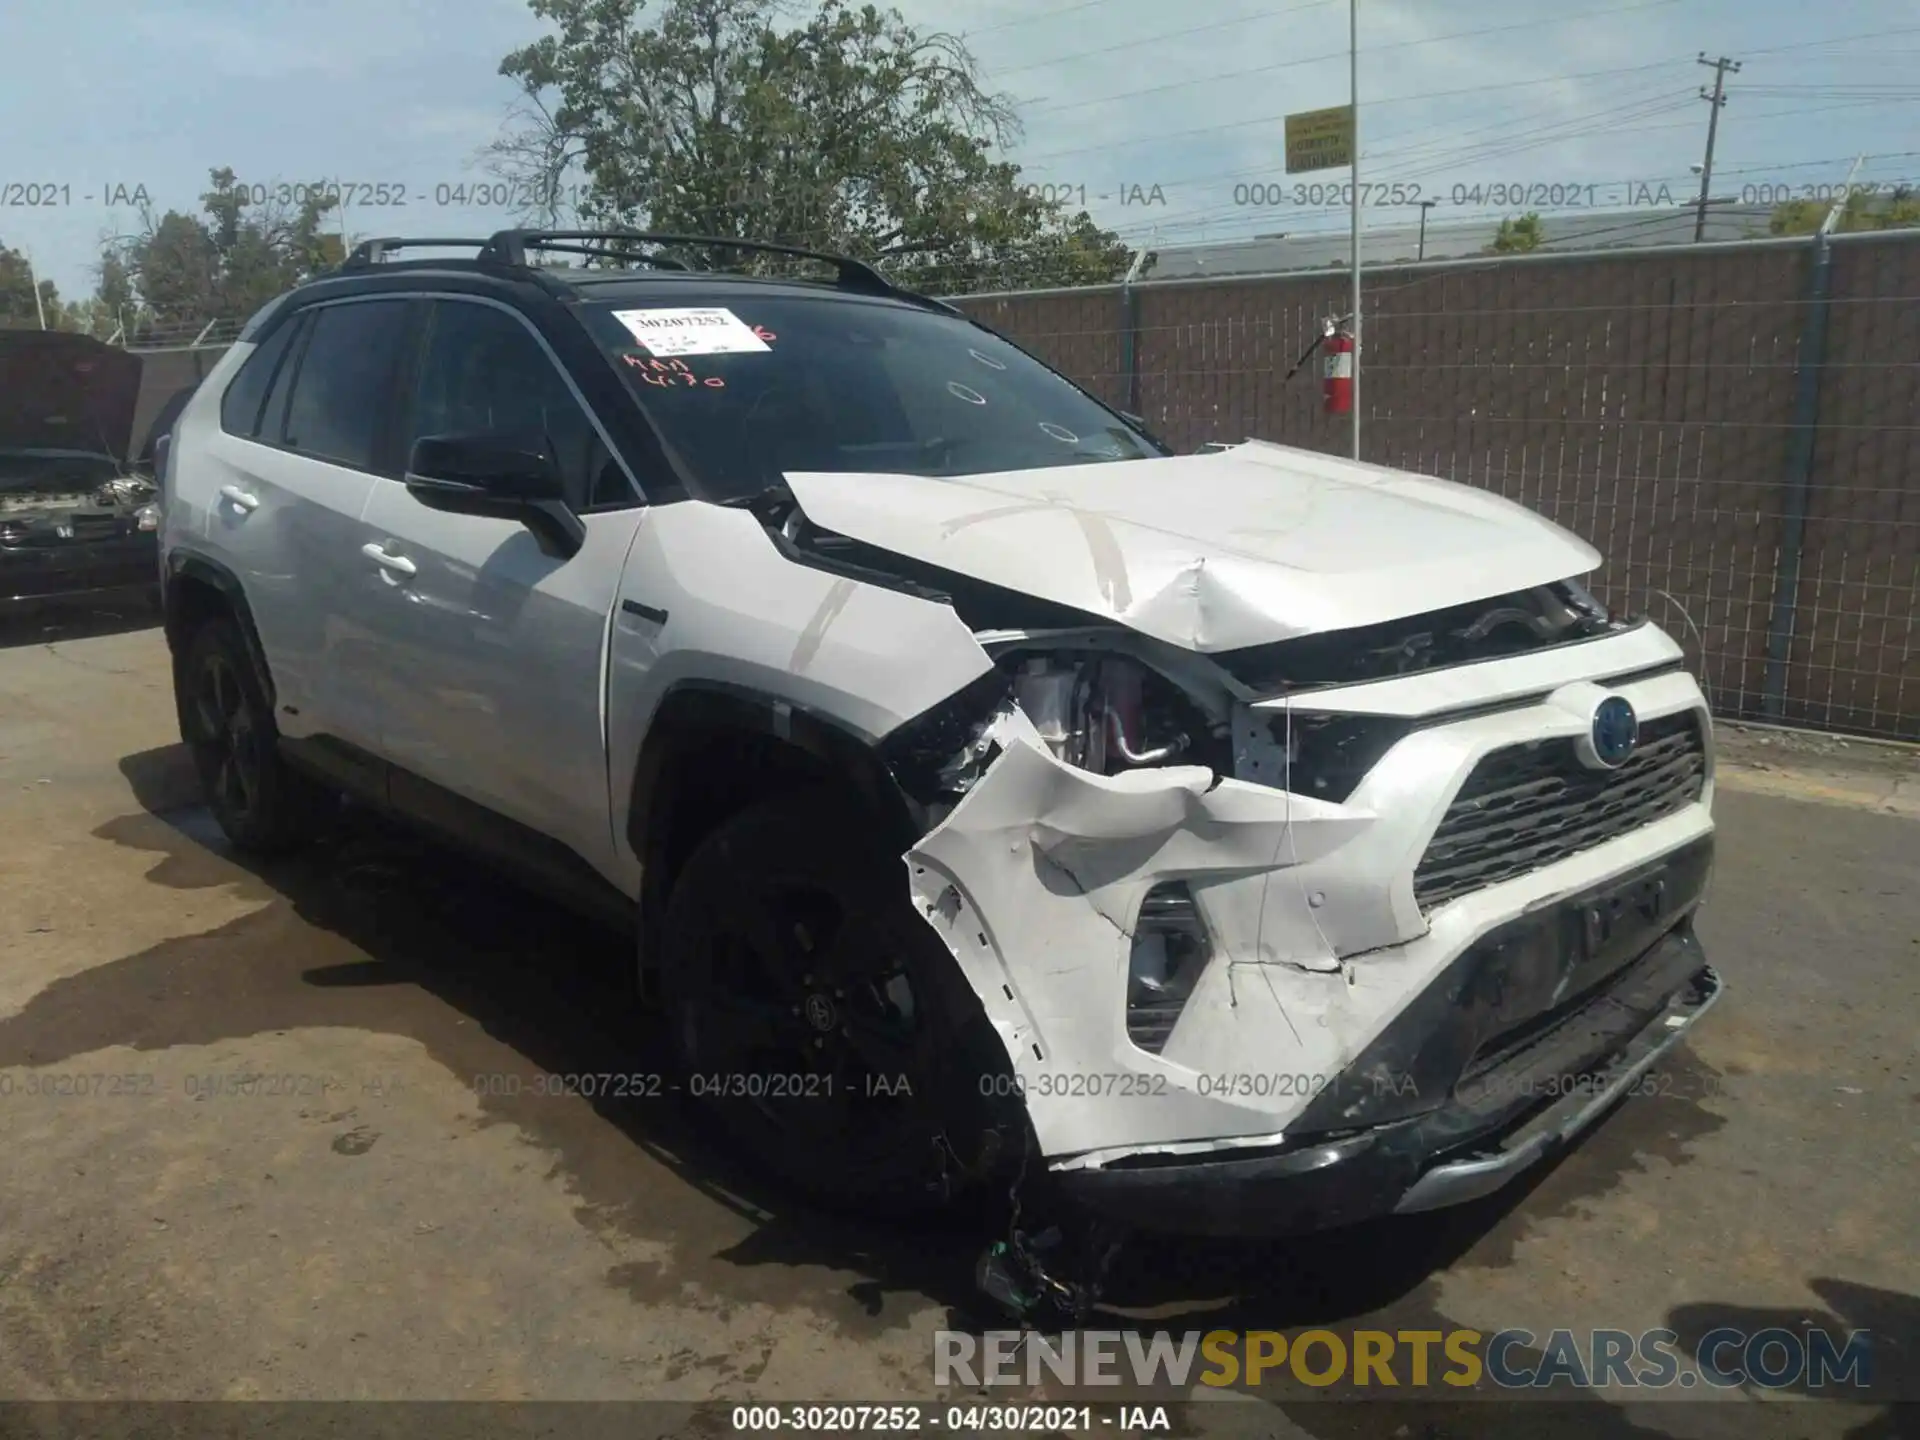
(1236, 843)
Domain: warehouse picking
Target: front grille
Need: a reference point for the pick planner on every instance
(1531, 805)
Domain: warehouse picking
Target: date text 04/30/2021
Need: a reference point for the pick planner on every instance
(962, 1419)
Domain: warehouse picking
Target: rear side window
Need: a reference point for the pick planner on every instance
(344, 380)
(246, 396)
(273, 415)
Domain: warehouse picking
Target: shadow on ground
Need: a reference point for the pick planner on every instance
(55, 624)
(378, 931)
(1781, 1344)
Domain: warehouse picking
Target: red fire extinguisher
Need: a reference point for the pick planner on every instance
(1337, 386)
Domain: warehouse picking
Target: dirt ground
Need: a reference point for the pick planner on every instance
(369, 1217)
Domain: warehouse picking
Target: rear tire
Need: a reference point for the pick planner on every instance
(263, 806)
(821, 1022)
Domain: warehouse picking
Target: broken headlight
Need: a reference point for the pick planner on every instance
(1170, 949)
(937, 756)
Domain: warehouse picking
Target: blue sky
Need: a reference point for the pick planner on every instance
(1592, 95)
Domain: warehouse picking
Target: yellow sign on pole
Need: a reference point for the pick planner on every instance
(1320, 139)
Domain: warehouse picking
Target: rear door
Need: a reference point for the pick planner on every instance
(289, 477)
(493, 665)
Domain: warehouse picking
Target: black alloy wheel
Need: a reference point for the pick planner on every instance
(819, 1018)
(261, 805)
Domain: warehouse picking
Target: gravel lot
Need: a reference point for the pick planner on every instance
(367, 1221)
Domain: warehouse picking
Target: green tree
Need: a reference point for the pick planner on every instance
(1898, 209)
(1516, 237)
(114, 301)
(229, 260)
(839, 128)
(177, 269)
(18, 309)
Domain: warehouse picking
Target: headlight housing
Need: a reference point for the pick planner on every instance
(1108, 713)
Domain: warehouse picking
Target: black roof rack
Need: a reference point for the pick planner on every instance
(371, 252)
(510, 247)
(604, 251)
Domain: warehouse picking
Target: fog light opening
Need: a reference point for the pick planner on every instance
(1170, 949)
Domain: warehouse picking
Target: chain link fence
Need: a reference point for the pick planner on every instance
(1736, 427)
(1733, 426)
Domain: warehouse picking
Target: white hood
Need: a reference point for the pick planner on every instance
(1211, 552)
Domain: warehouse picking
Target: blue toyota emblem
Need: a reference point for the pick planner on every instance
(1616, 731)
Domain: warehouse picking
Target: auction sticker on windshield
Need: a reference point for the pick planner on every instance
(709, 331)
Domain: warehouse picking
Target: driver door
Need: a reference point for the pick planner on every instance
(494, 680)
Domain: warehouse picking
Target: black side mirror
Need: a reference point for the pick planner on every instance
(501, 478)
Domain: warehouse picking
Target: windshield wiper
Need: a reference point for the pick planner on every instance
(773, 494)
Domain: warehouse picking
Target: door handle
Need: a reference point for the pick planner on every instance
(397, 563)
(239, 497)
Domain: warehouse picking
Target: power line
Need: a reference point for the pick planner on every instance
(1212, 218)
(1233, 220)
(1600, 121)
(1606, 118)
(1803, 46)
(1030, 18)
(1465, 214)
(1371, 105)
(1342, 54)
(1180, 34)
(1607, 121)
(1224, 126)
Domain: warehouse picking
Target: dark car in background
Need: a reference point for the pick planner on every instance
(78, 518)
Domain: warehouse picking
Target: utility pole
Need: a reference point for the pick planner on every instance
(1425, 205)
(33, 279)
(1717, 98)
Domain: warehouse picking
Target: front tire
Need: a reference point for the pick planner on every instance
(820, 1021)
(263, 807)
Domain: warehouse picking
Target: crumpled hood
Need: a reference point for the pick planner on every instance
(1218, 552)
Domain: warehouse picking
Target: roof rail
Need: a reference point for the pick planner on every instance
(603, 252)
(371, 252)
(510, 247)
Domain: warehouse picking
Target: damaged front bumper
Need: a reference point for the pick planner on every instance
(1356, 1045)
(1494, 1126)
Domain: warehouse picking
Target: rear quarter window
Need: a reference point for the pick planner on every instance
(241, 406)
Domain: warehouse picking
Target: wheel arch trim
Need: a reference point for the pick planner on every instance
(187, 565)
(699, 709)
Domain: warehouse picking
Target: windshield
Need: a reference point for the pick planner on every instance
(758, 388)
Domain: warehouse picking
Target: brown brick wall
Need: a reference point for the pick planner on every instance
(1644, 400)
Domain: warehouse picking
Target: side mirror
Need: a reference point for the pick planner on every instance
(498, 477)
(1139, 424)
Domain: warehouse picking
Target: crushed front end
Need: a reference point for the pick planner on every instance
(60, 543)
(77, 523)
(1364, 922)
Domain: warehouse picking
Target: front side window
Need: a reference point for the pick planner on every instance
(747, 389)
(484, 373)
(343, 379)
